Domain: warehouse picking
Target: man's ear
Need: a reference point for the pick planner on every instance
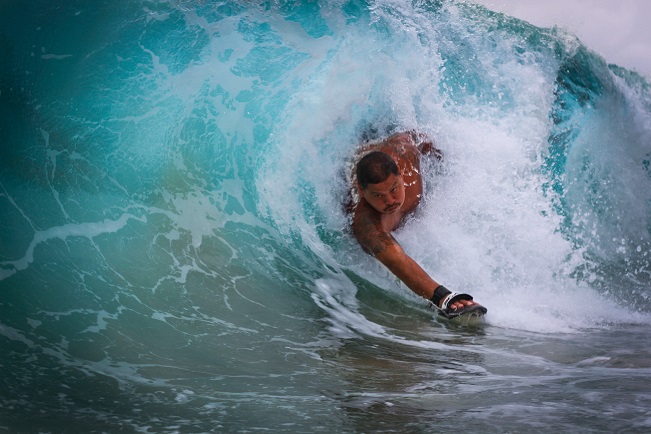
(359, 188)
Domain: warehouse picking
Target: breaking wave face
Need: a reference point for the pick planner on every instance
(171, 179)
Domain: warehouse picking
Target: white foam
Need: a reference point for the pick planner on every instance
(487, 225)
(88, 230)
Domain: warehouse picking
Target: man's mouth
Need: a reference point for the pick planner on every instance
(392, 208)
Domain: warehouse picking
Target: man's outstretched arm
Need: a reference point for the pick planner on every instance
(381, 244)
(407, 270)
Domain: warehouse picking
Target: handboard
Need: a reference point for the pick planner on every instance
(473, 316)
(470, 318)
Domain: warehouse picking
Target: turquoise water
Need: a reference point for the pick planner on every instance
(174, 256)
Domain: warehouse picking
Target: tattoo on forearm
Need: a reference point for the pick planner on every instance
(372, 240)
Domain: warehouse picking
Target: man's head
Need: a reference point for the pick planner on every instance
(380, 183)
(374, 168)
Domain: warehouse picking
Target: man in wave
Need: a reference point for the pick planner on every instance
(389, 186)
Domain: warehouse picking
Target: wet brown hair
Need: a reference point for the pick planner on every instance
(375, 167)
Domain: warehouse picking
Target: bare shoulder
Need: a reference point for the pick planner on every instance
(402, 147)
(425, 145)
(401, 142)
(369, 232)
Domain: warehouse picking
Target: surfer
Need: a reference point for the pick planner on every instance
(387, 187)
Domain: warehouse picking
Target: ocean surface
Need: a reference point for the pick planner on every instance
(174, 256)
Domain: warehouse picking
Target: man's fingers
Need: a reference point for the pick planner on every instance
(461, 303)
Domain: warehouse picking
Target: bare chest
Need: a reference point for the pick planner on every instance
(413, 192)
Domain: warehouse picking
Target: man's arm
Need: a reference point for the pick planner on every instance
(407, 270)
(381, 244)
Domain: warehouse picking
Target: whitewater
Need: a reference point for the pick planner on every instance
(175, 255)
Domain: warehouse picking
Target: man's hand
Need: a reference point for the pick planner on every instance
(461, 303)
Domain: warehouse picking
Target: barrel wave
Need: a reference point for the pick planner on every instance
(175, 256)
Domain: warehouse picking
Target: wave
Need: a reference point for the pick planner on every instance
(234, 123)
(180, 163)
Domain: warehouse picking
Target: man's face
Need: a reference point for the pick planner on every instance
(386, 197)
